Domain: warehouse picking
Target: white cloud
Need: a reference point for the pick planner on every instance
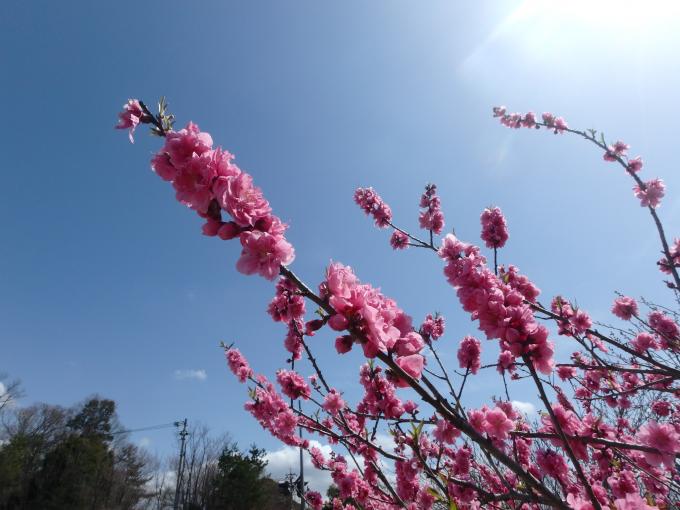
(526, 408)
(2, 389)
(191, 373)
(385, 441)
(286, 459)
(143, 442)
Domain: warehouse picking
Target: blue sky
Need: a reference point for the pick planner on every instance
(106, 284)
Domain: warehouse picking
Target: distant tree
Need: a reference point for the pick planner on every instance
(130, 477)
(200, 469)
(9, 391)
(240, 480)
(56, 458)
(28, 434)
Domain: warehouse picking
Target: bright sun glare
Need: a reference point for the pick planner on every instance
(603, 15)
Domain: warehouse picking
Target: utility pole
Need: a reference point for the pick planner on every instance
(182, 451)
(302, 470)
(301, 487)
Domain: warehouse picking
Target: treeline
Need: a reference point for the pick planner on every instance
(55, 458)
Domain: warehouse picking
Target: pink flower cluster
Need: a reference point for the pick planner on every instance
(444, 432)
(651, 193)
(663, 437)
(238, 364)
(666, 328)
(371, 203)
(372, 319)
(496, 422)
(494, 228)
(664, 264)
(500, 309)
(432, 218)
(616, 151)
(399, 240)
(577, 321)
(289, 307)
(643, 342)
(273, 413)
(625, 308)
(208, 181)
(519, 282)
(333, 402)
(517, 120)
(293, 385)
(469, 353)
(552, 463)
(432, 327)
(130, 117)
(379, 394)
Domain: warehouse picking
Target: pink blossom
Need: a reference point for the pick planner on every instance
(228, 230)
(432, 218)
(633, 501)
(560, 125)
(644, 341)
(625, 308)
(433, 327)
(264, 253)
(652, 193)
(293, 384)
(238, 364)
(621, 148)
(343, 344)
(566, 373)
(445, 432)
(273, 413)
(635, 164)
(182, 145)
(662, 437)
(494, 228)
(130, 117)
(664, 264)
(519, 282)
(399, 240)
(287, 304)
(499, 111)
(242, 200)
(163, 167)
(661, 407)
(314, 499)
(317, 457)
(500, 309)
(529, 120)
(410, 407)
(211, 227)
(497, 424)
(411, 343)
(548, 119)
(552, 464)
(412, 365)
(665, 326)
(293, 344)
(371, 203)
(333, 402)
(469, 353)
(579, 503)
(506, 361)
(581, 322)
(377, 318)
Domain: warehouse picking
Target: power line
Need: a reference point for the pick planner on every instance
(151, 427)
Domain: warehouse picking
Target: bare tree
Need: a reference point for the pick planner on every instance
(10, 391)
